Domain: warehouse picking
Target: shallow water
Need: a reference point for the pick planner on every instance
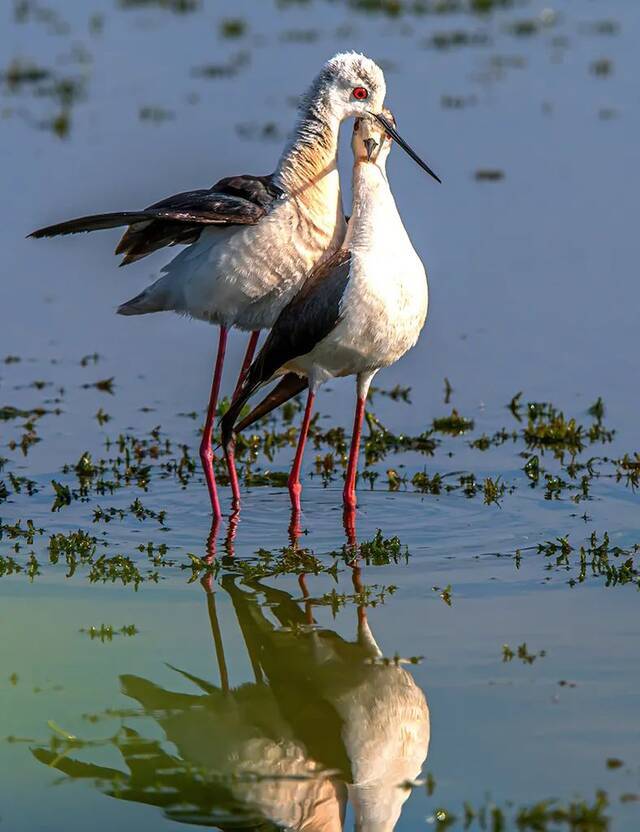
(260, 699)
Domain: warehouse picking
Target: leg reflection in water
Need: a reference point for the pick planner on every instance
(326, 721)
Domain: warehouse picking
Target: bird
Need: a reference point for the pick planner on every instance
(326, 721)
(358, 311)
(251, 240)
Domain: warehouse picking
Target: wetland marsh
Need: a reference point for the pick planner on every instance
(154, 671)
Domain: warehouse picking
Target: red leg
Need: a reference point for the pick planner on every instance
(206, 451)
(349, 493)
(248, 358)
(230, 456)
(294, 477)
(209, 558)
(349, 523)
(230, 453)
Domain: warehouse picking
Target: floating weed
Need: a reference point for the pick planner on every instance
(119, 569)
(457, 102)
(232, 27)
(269, 131)
(601, 68)
(232, 67)
(489, 175)
(493, 490)
(381, 550)
(21, 73)
(602, 27)
(22, 484)
(368, 596)
(597, 409)
(63, 495)
(396, 394)
(578, 815)
(614, 763)
(426, 484)
(542, 816)
(522, 653)
(455, 424)
(176, 6)
(445, 594)
(106, 515)
(456, 38)
(156, 115)
(598, 557)
(9, 566)
(92, 358)
(16, 531)
(532, 468)
(300, 35)
(101, 417)
(105, 385)
(106, 632)
(448, 390)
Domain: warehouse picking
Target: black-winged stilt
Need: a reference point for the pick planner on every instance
(358, 311)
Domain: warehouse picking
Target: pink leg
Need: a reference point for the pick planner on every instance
(294, 477)
(349, 522)
(246, 363)
(349, 493)
(209, 558)
(206, 451)
(230, 453)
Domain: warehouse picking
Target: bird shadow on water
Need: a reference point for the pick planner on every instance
(326, 722)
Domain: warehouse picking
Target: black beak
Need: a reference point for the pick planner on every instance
(370, 146)
(391, 130)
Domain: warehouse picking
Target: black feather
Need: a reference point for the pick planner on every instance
(304, 322)
(179, 219)
(289, 386)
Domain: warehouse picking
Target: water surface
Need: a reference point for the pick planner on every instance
(147, 680)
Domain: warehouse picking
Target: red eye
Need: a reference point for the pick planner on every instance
(360, 93)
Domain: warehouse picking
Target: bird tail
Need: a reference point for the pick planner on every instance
(289, 386)
(95, 222)
(155, 298)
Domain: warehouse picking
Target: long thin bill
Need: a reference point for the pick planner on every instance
(391, 130)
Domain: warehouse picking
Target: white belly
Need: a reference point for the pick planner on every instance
(383, 311)
(244, 276)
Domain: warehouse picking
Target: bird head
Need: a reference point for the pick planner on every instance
(370, 141)
(353, 85)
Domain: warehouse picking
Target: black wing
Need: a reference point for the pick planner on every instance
(303, 323)
(290, 385)
(179, 219)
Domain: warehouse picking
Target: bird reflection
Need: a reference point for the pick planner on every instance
(326, 721)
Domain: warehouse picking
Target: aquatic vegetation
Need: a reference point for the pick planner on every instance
(455, 424)
(456, 38)
(176, 6)
(381, 550)
(156, 115)
(232, 27)
(598, 558)
(522, 653)
(120, 569)
(489, 175)
(106, 632)
(233, 66)
(446, 594)
(268, 131)
(602, 67)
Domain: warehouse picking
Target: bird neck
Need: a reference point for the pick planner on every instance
(308, 169)
(373, 206)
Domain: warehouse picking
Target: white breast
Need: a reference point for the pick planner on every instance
(385, 304)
